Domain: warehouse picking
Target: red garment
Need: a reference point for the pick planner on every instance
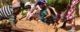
(72, 9)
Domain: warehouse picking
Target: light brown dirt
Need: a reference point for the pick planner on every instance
(38, 26)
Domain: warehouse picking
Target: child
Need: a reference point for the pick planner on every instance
(28, 8)
(32, 10)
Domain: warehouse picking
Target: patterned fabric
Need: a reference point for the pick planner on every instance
(71, 10)
(12, 18)
(6, 11)
(43, 14)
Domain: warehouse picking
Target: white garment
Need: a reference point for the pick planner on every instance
(27, 3)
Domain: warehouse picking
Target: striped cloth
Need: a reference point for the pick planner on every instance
(72, 9)
(6, 11)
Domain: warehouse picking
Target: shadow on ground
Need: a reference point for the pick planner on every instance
(77, 27)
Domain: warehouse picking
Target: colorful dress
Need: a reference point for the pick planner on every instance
(70, 15)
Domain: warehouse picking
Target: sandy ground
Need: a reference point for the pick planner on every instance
(38, 26)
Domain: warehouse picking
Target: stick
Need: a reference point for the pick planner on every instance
(22, 17)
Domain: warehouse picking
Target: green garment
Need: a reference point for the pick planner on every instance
(43, 14)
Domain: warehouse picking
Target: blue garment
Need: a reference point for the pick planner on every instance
(43, 14)
(50, 19)
(39, 3)
(42, 0)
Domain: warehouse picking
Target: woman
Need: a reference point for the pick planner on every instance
(47, 14)
(70, 17)
(7, 12)
(44, 12)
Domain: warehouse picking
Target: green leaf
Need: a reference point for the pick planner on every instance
(50, 2)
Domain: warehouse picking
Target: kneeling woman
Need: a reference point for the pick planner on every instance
(45, 13)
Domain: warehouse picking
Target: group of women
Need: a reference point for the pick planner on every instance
(40, 10)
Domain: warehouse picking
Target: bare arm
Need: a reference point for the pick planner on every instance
(49, 13)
